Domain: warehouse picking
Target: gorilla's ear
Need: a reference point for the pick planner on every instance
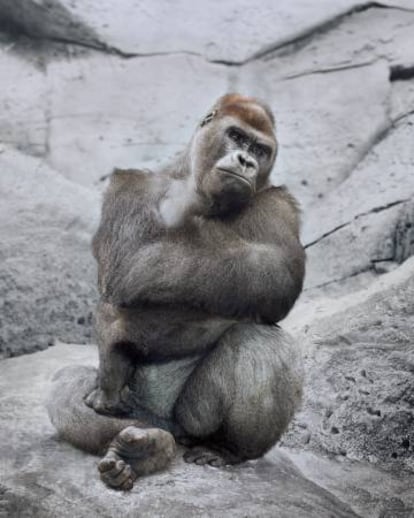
(209, 117)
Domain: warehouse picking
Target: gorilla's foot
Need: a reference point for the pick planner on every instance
(130, 454)
(211, 455)
(115, 472)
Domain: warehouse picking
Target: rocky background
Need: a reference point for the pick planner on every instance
(89, 85)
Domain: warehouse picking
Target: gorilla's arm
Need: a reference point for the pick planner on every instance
(249, 267)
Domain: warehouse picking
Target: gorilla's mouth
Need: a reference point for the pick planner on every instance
(238, 177)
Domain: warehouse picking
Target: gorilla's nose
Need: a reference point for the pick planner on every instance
(245, 160)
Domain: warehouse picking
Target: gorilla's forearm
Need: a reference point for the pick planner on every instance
(248, 281)
(249, 267)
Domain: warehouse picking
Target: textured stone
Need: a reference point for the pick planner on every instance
(370, 491)
(47, 274)
(386, 235)
(360, 384)
(378, 182)
(369, 218)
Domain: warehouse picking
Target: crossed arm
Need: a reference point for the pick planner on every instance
(250, 267)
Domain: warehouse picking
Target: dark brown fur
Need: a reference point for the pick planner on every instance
(197, 263)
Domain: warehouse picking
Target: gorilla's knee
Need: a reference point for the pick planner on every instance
(247, 391)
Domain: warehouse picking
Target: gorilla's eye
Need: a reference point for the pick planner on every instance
(260, 151)
(238, 137)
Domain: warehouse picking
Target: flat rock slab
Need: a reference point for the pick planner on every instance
(43, 477)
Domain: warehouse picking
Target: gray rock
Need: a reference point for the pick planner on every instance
(48, 19)
(369, 218)
(23, 101)
(87, 86)
(322, 136)
(357, 247)
(108, 112)
(380, 181)
(360, 39)
(402, 99)
(41, 476)
(141, 27)
(142, 120)
(371, 492)
(360, 364)
(47, 274)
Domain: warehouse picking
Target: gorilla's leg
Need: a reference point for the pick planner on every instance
(131, 447)
(243, 395)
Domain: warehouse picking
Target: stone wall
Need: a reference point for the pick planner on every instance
(86, 86)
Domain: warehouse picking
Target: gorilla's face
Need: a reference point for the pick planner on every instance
(232, 159)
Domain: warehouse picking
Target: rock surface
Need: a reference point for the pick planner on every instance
(232, 34)
(95, 128)
(87, 86)
(40, 476)
(23, 121)
(360, 383)
(47, 275)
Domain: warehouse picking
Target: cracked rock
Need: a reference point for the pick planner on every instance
(368, 218)
(385, 235)
(380, 181)
(359, 39)
(136, 28)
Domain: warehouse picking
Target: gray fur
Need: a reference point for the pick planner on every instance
(197, 263)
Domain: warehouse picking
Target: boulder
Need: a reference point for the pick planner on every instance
(47, 273)
(360, 361)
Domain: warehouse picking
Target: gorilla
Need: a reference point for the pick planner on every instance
(197, 262)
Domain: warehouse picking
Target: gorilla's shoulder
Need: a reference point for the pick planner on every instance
(128, 181)
(280, 195)
(129, 176)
